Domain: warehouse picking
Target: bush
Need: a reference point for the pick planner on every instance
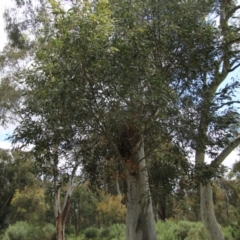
(91, 232)
(48, 232)
(165, 230)
(105, 232)
(232, 231)
(69, 229)
(23, 231)
(18, 231)
(183, 230)
(117, 231)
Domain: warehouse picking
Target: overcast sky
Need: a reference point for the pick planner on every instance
(7, 131)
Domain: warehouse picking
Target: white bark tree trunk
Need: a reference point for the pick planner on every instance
(140, 223)
(207, 207)
(61, 213)
(207, 212)
(206, 202)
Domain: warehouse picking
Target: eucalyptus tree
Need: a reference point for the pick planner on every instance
(212, 107)
(109, 74)
(45, 126)
(56, 143)
(124, 59)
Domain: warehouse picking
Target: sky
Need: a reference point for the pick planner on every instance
(4, 132)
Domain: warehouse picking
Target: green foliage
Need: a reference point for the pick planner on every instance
(232, 231)
(91, 232)
(113, 232)
(111, 209)
(9, 97)
(183, 230)
(22, 230)
(83, 207)
(49, 230)
(105, 232)
(117, 231)
(29, 205)
(169, 230)
(15, 173)
(17, 231)
(69, 229)
(110, 64)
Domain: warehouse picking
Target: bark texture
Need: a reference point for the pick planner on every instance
(207, 212)
(61, 213)
(207, 207)
(140, 223)
(60, 226)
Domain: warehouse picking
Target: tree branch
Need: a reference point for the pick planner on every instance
(234, 68)
(226, 151)
(237, 40)
(226, 104)
(66, 205)
(218, 79)
(151, 118)
(232, 11)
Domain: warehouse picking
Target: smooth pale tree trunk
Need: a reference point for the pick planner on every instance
(118, 188)
(207, 213)
(207, 207)
(140, 223)
(206, 201)
(61, 213)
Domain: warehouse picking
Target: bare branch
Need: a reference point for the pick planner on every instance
(237, 40)
(151, 118)
(66, 205)
(236, 60)
(218, 79)
(226, 151)
(226, 104)
(232, 11)
(234, 68)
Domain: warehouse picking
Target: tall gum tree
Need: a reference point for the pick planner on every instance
(124, 69)
(214, 107)
(107, 70)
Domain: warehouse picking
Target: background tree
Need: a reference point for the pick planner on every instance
(83, 209)
(15, 174)
(29, 205)
(168, 177)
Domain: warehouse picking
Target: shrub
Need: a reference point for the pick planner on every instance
(183, 230)
(165, 230)
(105, 232)
(23, 231)
(111, 210)
(69, 229)
(48, 231)
(117, 231)
(17, 231)
(91, 232)
(232, 231)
